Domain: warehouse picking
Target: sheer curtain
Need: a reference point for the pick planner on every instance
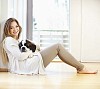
(16, 9)
(51, 22)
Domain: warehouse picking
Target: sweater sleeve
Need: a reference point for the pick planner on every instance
(11, 47)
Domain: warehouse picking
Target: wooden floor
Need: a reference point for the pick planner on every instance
(58, 76)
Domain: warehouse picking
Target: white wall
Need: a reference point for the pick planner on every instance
(85, 30)
(0, 9)
(90, 31)
(0, 13)
(3, 16)
(4, 10)
(75, 28)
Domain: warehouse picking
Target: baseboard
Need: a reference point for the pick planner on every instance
(3, 70)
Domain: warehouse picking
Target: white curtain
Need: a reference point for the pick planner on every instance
(51, 22)
(16, 9)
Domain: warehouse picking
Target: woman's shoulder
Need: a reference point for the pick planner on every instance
(9, 39)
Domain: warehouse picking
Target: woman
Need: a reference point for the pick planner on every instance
(20, 63)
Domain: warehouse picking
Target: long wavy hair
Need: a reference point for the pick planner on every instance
(6, 33)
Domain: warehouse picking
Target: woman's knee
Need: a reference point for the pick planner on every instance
(59, 44)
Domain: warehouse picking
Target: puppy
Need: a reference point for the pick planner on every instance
(26, 45)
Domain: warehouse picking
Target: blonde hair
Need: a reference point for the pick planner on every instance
(6, 33)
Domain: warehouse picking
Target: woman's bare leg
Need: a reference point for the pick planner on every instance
(51, 52)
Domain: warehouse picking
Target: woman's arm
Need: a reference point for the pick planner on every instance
(12, 47)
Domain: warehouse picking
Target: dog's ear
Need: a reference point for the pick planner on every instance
(31, 45)
(29, 42)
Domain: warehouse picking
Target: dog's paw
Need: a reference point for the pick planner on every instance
(31, 55)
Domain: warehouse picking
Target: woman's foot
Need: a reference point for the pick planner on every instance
(87, 71)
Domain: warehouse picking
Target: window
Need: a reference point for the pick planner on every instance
(51, 22)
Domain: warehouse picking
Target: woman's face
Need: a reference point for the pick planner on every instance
(14, 30)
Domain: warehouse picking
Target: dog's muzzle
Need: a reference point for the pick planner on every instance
(23, 49)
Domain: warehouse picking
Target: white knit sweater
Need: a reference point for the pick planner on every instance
(21, 63)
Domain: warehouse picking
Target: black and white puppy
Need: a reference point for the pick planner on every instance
(26, 45)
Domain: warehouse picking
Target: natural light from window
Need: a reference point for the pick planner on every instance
(51, 22)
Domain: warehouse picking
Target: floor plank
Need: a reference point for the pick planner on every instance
(58, 76)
